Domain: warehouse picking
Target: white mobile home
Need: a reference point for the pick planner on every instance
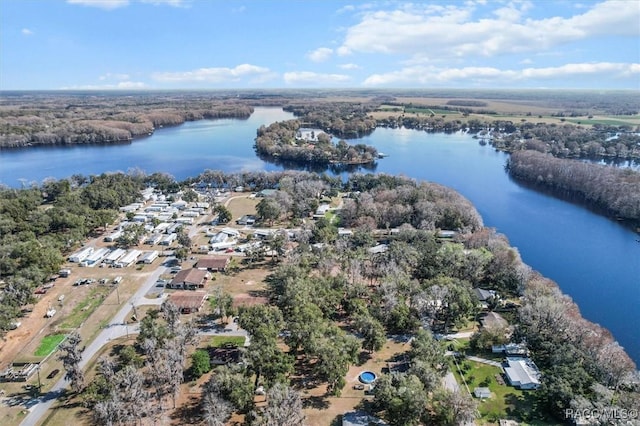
(140, 218)
(185, 220)
(168, 239)
(161, 228)
(153, 239)
(95, 257)
(128, 259)
(180, 204)
(114, 255)
(148, 257)
(220, 237)
(190, 213)
(81, 255)
(113, 236)
(222, 246)
(173, 228)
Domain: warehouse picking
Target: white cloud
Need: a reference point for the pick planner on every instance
(454, 31)
(215, 75)
(526, 61)
(315, 79)
(320, 55)
(349, 66)
(102, 4)
(26, 31)
(430, 75)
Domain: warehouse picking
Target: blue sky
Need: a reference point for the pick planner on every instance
(219, 44)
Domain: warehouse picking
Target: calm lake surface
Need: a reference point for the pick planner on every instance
(594, 260)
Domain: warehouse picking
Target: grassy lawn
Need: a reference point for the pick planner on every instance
(505, 400)
(86, 307)
(49, 344)
(219, 341)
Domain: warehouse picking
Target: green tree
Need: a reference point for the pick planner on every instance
(224, 214)
(268, 210)
(372, 332)
(200, 363)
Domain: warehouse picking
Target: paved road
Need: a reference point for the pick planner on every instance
(116, 328)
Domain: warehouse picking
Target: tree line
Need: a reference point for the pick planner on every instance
(68, 119)
(615, 190)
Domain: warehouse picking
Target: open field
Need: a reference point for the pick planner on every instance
(48, 344)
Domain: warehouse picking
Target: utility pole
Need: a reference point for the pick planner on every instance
(39, 382)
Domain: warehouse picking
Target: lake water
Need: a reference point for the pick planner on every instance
(594, 260)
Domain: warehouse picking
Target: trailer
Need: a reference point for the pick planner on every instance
(94, 258)
(128, 259)
(113, 236)
(168, 239)
(80, 255)
(148, 257)
(153, 239)
(222, 246)
(114, 255)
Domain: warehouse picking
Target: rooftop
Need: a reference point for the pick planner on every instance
(190, 276)
(188, 300)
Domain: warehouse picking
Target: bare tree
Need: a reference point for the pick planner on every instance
(216, 410)
(284, 407)
(71, 355)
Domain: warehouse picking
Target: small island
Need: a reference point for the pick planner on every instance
(288, 141)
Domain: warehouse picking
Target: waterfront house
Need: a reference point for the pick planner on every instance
(522, 373)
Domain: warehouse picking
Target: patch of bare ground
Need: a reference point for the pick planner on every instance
(239, 204)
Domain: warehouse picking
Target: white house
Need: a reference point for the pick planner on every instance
(522, 373)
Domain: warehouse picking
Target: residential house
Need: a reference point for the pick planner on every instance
(189, 279)
(522, 373)
(214, 264)
(188, 301)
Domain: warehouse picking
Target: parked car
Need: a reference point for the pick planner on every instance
(53, 374)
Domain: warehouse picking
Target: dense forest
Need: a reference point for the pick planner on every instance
(283, 141)
(612, 189)
(75, 119)
(332, 300)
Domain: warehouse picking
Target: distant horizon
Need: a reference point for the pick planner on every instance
(156, 45)
(418, 90)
